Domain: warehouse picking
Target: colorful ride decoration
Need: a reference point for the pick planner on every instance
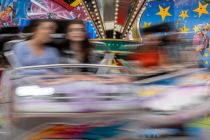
(115, 50)
(6, 15)
(117, 22)
(48, 9)
(68, 131)
(68, 4)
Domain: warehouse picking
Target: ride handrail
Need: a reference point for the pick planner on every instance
(66, 65)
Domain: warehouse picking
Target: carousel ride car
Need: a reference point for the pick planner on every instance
(103, 95)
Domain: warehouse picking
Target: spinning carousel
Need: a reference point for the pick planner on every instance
(117, 22)
(115, 19)
(116, 25)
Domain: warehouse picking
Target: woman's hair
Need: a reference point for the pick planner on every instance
(76, 21)
(10, 7)
(34, 24)
(201, 26)
(85, 45)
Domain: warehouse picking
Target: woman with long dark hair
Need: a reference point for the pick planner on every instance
(34, 51)
(79, 44)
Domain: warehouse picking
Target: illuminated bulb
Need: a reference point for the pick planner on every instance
(136, 9)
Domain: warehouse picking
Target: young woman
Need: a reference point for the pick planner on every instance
(78, 44)
(35, 51)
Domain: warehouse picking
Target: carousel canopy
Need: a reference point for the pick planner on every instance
(113, 18)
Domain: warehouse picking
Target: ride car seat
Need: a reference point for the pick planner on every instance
(8, 52)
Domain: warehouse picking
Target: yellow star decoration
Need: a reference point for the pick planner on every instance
(201, 9)
(163, 12)
(196, 29)
(206, 62)
(184, 14)
(184, 29)
(206, 54)
(147, 24)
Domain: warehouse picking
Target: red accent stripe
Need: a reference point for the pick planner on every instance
(64, 4)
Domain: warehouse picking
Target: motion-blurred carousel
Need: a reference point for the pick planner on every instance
(116, 23)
